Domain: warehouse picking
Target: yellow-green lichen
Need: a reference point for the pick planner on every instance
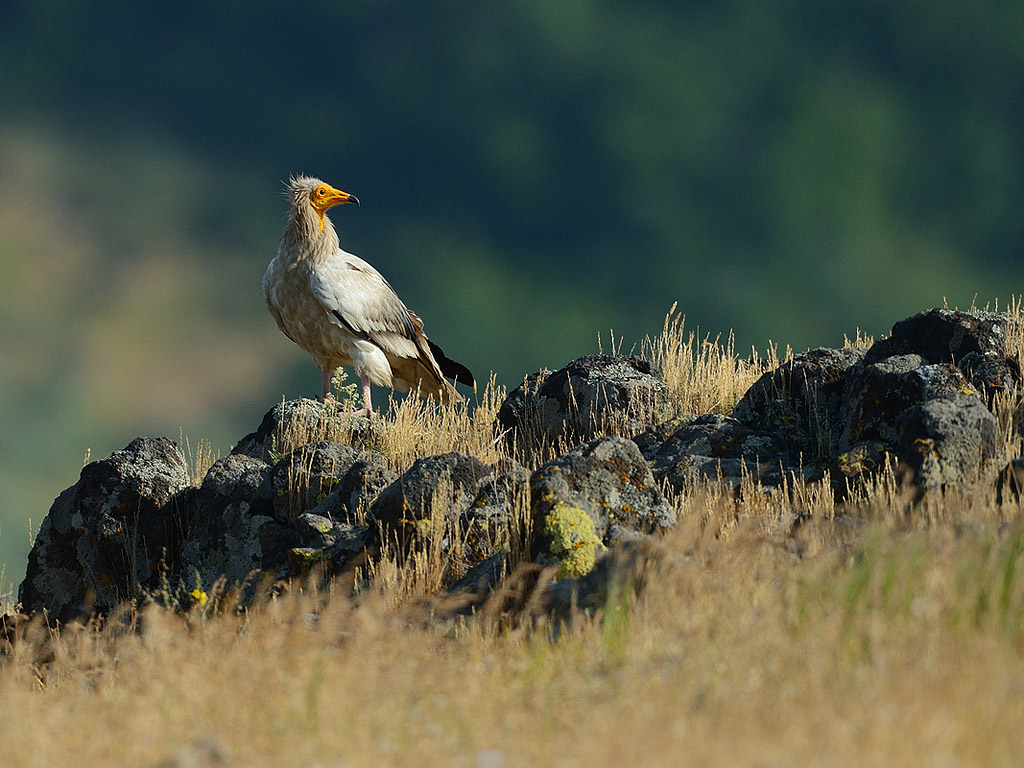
(573, 538)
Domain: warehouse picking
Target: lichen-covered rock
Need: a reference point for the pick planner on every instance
(944, 336)
(950, 442)
(800, 401)
(331, 553)
(104, 536)
(618, 575)
(232, 532)
(295, 422)
(354, 493)
(314, 530)
(858, 463)
(610, 482)
(307, 475)
(594, 395)
(449, 483)
(876, 395)
(572, 539)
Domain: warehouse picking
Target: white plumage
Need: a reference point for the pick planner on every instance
(342, 311)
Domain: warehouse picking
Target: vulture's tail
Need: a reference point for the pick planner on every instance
(455, 371)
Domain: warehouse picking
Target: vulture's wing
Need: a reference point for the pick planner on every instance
(359, 299)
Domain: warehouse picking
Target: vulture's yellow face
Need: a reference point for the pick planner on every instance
(324, 196)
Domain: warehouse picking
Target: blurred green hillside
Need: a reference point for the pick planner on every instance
(531, 174)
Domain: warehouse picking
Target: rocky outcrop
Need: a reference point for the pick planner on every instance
(846, 413)
(134, 527)
(304, 493)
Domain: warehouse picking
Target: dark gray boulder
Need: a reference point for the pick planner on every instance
(991, 375)
(314, 530)
(328, 547)
(489, 519)
(715, 448)
(103, 538)
(876, 395)
(451, 481)
(800, 403)
(944, 336)
(232, 531)
(719, 437)
(352, 496)
(240, 478)
(951, 442)
(651, 439)
(306, 476)
(688, 471)
(594, 395)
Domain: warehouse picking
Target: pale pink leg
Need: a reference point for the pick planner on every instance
(366, 396)
(327, 397)
(367, 409)
(325, 383)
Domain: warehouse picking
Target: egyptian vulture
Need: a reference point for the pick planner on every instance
(342, 311)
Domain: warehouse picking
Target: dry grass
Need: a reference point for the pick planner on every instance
(412, 428)
(851, 634)
(902, 648)
(703, 375)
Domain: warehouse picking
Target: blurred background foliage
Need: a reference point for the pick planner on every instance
(532, 174)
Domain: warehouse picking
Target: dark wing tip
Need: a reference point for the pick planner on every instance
(453, 370)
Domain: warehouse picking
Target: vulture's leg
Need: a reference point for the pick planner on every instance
(366, 396)
(367, 409)
(325, 383)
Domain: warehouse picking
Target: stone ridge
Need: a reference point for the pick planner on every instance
(134, 528)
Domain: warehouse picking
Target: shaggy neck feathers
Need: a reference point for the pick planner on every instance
(303, 238)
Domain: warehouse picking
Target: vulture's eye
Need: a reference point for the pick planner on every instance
(321, 192)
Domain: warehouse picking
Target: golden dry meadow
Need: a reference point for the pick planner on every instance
(767, 629)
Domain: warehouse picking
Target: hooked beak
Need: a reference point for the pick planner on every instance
(338, 197)
(334, 197)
